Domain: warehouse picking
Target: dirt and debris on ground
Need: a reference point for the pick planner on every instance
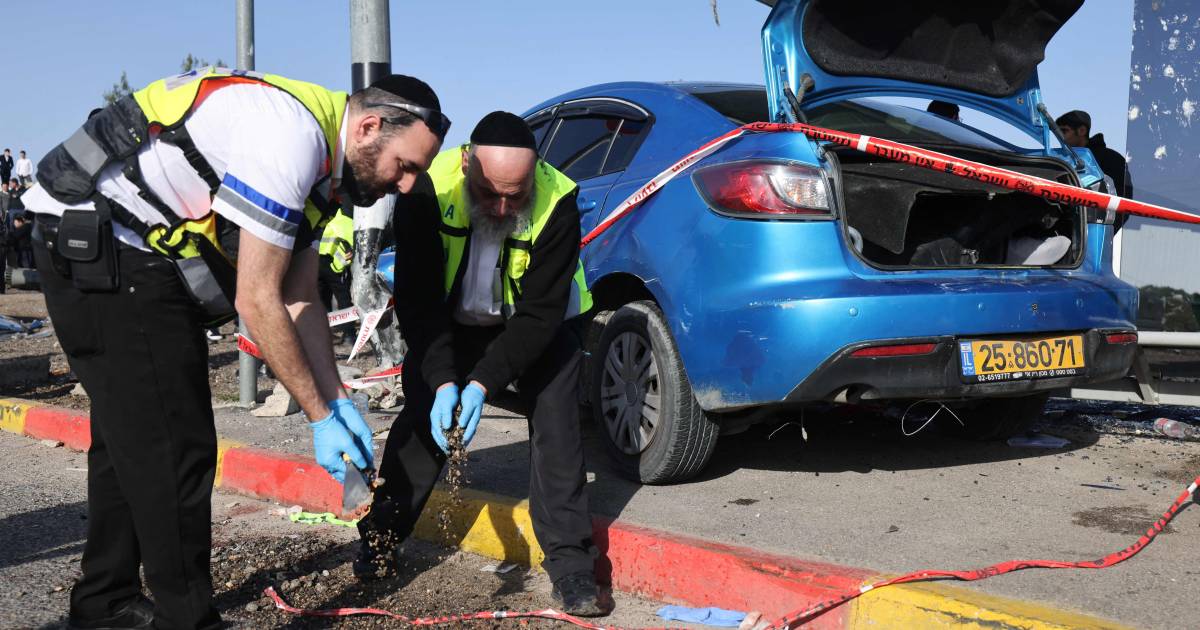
(314, 572)
(1129, 520)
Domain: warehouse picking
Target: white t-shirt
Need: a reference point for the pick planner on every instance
(264, 145)
(24, 167)
(481, 291)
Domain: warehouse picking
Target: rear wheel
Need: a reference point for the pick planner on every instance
(994, 418)
(642, 401)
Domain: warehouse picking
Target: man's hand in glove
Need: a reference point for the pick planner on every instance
(344, 410)
(441, 416)
(332, 437)
(472, 410)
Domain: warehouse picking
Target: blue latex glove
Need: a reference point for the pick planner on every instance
(331, 438)
(472, 410)
(442, 414)
(706, 616)
(344, 410)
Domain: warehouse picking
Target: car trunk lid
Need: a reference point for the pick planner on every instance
(983, 55)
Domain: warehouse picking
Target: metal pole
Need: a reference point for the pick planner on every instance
(247, 364)
(370, 60)
(245, 34)
(370, 42)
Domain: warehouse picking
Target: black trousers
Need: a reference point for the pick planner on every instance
(412, 462)
(141, 355)
(332, 285)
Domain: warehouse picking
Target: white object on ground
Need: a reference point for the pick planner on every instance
(1038, 440)
(503, 567)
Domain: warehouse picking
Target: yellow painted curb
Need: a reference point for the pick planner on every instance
(937, 606)
(223, 445)
(12, 416)
(500, 528)
(486, 524)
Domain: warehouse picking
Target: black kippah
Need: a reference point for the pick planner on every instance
(410, 89)
(502, 129)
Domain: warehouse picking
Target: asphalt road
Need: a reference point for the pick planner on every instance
(43, 524)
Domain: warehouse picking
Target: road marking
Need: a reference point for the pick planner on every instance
(12, 416)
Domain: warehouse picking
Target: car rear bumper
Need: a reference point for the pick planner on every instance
(848, 378)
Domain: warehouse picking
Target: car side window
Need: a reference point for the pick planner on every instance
(580, 144)
(539, 129)
(624, 146)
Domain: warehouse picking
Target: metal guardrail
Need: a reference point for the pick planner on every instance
(1144, 385)
(1159, 339)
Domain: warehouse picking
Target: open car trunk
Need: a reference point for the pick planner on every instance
(899, 216)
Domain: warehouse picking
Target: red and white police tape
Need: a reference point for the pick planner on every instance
(798, 617)
(337, 318)
(370, 321)
(245, 344)
(907, 154)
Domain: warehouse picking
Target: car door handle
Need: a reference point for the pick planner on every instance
(586, 204)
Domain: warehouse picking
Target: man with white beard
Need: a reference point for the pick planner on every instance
(489, 290)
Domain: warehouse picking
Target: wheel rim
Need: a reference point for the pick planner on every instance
(630, 397)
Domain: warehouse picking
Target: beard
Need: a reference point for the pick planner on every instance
(360, 182)
(493, 227)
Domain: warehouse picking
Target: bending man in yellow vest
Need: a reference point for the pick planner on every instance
(336, 251)
(133, 268)
(488, 290)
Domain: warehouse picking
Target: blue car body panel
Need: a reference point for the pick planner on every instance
(755, 306)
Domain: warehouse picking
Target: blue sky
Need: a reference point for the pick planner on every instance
(479, 55)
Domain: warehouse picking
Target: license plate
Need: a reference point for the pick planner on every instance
(991, 360)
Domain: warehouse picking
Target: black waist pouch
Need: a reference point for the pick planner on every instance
(85, 240)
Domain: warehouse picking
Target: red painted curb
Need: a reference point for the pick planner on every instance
(280, 477)
(679, 568)
(71, 428)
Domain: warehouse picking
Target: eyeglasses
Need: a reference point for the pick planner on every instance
(437, 122)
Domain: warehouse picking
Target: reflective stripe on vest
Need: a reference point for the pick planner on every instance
(550, 186)
(337, 241)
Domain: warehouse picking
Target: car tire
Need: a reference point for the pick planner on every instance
(634, 366)
(995, 418)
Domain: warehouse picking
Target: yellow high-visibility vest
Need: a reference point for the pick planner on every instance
(550, 186)
(337, 241)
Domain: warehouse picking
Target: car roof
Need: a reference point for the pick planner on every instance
(646, 93)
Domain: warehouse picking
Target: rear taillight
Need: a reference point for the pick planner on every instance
(765, 190)
(903, 350)
(1121, 338)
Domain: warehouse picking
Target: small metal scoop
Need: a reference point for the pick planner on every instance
(357, 490)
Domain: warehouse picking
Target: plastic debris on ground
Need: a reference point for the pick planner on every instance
(503, 567)
(707, 616)
(1101, 486)
(314, 518)
(10, 326)
(1037, 440)
(1167, 427)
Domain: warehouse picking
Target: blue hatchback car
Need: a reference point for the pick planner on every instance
(781, 271)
